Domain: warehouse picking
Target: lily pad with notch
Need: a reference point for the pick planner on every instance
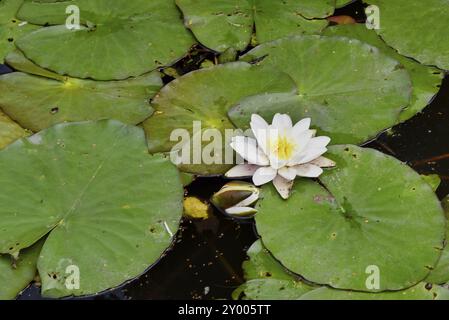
(351, 102)
(356, 217)
(266, 279)
(220, 25)
(97, 193)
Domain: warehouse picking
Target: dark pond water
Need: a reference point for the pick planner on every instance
(205, 261)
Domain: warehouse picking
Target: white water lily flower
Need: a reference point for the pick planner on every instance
(280, 152)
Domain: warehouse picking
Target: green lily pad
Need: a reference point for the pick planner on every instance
(356, 221)
(220, 25)
(425, 80)
(17, 275)
(11, 28)
(342, 3)
(9, 131)
(416, 29)
(93, 187)
(266, 279)
(440, 274)
(113, 42)
(351, 102)
(206, 95)
(36, 102)
(418, 292)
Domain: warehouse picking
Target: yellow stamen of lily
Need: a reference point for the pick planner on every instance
(283, 148)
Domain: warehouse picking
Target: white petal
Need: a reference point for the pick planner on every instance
(283, 186)
(303, 139)
(264, 175)
(310, 155)
(262, 137)
(301, 142)
(277, 163)
(241, 211)
(287, 173)
(323, 162)
(282, 122)
(242, 170)
(301, 126)
(259, 128)
(308, 170)
(258, 123)
(318, 142)
(247, 148)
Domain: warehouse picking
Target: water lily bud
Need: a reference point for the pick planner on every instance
(236, 197)
(241, 211)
